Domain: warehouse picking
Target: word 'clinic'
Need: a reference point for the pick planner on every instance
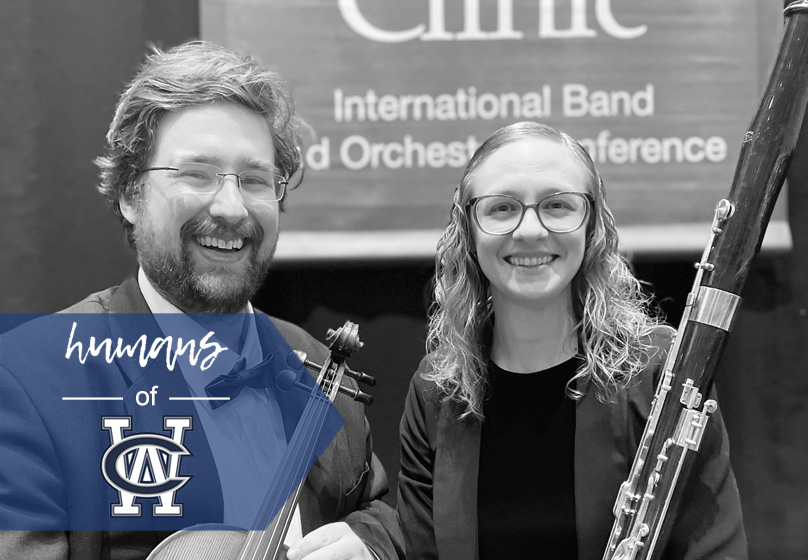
(146, 352)
(435, 29)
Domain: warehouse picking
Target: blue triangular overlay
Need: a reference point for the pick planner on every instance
(100, 411)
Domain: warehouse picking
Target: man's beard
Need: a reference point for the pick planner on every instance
(188, 286)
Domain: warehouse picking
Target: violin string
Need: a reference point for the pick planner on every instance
(311, 420)
(326, 386)
(304, 449)
(288, 470)
(312, 427)
(252, 547)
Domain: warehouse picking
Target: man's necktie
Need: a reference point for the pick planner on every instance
(230, 385)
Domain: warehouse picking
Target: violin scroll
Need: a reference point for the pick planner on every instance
(342, 342)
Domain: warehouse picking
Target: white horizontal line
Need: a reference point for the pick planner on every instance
(679, 239)
(92, 398)
(199, 398)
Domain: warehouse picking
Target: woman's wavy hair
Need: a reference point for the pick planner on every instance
(609, 306)
(192, 74)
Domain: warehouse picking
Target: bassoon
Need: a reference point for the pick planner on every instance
(679, 412)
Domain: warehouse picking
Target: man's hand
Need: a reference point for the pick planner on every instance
(335, 541)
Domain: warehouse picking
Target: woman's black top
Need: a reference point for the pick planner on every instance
(525, 490)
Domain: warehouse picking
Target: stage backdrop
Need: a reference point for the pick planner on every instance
(400, 93)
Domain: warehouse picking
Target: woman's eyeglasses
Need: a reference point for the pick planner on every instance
(501, 214)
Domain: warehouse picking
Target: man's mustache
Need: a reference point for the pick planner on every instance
(206, 226)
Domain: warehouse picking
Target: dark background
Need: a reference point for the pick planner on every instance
(65, 63)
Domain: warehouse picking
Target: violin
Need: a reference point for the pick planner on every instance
(219, 541)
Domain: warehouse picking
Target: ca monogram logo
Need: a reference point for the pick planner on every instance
(145, 465)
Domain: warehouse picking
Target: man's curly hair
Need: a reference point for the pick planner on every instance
(195, 73)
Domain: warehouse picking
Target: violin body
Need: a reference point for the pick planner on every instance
(224, 542)
(208, 542)
(203, 542)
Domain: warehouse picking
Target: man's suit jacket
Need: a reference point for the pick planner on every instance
(345, 484)
(437, 492)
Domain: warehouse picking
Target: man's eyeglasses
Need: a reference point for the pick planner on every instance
(206, 179)
(501, 214)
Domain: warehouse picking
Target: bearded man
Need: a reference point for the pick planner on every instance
(200, 153)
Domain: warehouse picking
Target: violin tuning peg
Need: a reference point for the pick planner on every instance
(300, 356)
(303, 357)
(361, 377)
(357, 395)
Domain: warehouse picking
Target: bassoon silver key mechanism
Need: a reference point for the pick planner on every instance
(679, 412)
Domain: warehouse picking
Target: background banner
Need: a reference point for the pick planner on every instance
(400, 93)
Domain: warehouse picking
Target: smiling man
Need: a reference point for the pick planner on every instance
(199, 155)
(205, 236)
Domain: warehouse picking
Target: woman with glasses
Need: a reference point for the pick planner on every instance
(523, 419)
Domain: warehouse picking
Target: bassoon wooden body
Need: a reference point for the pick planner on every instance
(679, 412)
